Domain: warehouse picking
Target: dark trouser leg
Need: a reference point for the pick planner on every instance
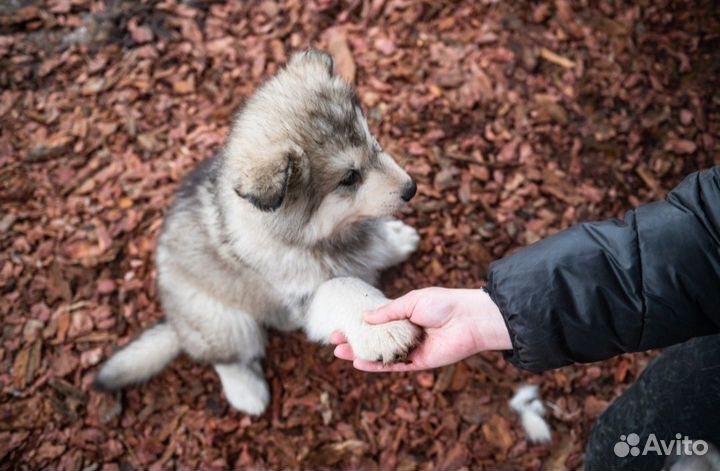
(678, 393)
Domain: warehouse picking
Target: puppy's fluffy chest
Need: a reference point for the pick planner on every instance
(236, 259)
(293, 273)
(292, 276)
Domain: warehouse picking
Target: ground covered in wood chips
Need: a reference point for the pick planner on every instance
(517, 119)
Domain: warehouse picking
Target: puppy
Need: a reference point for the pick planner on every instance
(302, 193)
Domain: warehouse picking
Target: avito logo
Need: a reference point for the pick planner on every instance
(629, 445)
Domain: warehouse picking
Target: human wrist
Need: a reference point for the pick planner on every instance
(501, 335)
(490, 329)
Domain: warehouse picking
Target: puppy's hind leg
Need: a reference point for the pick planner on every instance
(228, 338)
(237, 350)
(244, 386)
(239, 364)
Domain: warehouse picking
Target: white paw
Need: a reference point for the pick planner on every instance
(403, 238)
(245, 389)
(388, 343)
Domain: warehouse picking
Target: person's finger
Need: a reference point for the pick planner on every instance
(401, 308)
(344, 352)
(378, 367)
(416, 361)
(337, 338)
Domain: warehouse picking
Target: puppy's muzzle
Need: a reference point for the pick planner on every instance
(408, 191)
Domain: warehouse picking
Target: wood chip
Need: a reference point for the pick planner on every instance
(557, 59)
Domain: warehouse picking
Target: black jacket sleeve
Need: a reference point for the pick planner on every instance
(600, 289)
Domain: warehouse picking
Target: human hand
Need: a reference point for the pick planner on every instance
(458, 323)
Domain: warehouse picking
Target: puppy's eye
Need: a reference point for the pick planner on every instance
(351, 178)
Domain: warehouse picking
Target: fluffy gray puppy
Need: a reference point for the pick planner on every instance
(301, 194)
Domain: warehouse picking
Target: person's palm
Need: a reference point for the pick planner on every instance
(457, 324)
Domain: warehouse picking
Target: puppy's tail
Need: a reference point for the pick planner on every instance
(528, 405)
(140, 360)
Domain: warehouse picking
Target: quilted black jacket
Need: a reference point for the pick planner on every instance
(600, 289)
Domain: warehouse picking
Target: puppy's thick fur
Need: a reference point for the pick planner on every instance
(301, 194)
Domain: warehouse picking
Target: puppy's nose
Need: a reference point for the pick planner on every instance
(408, 191)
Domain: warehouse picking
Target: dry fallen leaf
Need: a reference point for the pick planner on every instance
(333, 453)
(593, 406)
(183, 87)
(20, 367)
(497, 433)
(681, 146)
(338, 47)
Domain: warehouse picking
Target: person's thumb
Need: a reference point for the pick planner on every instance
(401, 308)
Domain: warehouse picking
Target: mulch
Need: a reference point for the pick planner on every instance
(517, 119)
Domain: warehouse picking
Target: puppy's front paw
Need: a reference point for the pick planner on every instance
(387, 343)
(403, 238)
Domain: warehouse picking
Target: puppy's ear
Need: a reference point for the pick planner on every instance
(314, 58)
(264, 181)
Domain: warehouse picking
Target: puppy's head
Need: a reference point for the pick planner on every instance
(301, 150)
